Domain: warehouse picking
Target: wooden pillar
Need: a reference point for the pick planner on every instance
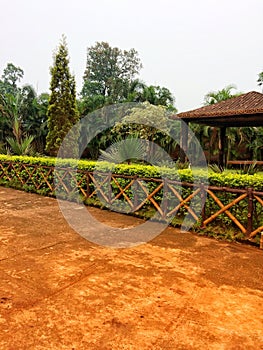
(183, 141)
(250, 211)
(222, 148)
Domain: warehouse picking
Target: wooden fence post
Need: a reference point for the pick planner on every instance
(203, 201)
(136, 187)
(87, 185)
(249, 211)
(109, 195)
(165, 198)
(261, 241)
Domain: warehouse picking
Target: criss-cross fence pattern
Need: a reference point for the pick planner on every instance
(242, 208)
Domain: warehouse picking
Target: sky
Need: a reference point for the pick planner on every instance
(191, 47)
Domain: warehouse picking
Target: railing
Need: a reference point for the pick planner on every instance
(204, 204)
(245, 162)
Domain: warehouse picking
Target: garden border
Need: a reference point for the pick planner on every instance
(217, 201)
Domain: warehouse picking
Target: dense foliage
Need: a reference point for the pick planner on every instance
(109, 72)
(225, 179)
(23, 120)
(111, 76)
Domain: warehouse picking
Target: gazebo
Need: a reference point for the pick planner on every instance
(242, 110)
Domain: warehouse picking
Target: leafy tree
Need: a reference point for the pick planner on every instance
(148, 122)
(144, 114)
(10, 77)
(8, 91)
(108, 75)
(62, 109)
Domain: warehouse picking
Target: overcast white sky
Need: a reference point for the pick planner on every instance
(189, 46)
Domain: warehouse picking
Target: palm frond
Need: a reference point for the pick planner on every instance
(125, 150)
(23, 147)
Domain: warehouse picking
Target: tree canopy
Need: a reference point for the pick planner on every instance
(10, 78)
(109, 72)
(111, 76)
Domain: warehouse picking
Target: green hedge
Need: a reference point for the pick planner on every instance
(147, 171)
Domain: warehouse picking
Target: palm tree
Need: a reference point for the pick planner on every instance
(125, 150)
(138, 91)
(135, 91)
(221, 95)
(21, 147)
(13, 109)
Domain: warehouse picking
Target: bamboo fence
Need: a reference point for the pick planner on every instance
(204, 204)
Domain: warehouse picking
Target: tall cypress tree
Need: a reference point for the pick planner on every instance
(62, 108)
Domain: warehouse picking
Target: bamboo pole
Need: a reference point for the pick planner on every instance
(224, 209)
(258, 199)
(149, 197)
(256, 231)
(122, 191)
(183, 202)
(98, 187)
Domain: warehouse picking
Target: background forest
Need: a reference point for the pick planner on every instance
(36, 124)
